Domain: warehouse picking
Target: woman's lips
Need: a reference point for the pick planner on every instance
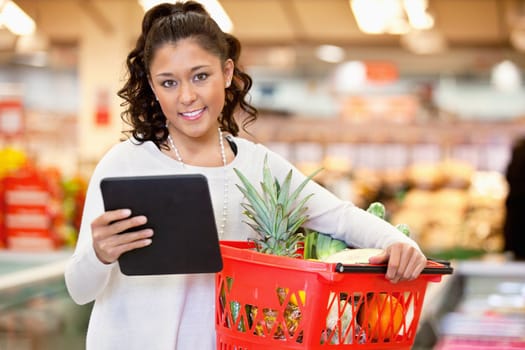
(193, 114)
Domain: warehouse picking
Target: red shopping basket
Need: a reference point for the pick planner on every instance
(271, 302)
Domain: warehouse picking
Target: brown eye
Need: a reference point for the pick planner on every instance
(168, 83)
(201, 77)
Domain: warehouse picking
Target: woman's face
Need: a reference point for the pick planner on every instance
(189, 83)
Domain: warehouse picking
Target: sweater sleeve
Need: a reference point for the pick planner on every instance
(85, 274)
(339, 218)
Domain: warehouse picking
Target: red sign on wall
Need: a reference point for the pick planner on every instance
(11, 118)
(381, 72)
(102, 115)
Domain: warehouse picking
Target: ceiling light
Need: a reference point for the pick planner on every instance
(391, 16)
(15, 19)
(330, 53)
(506, 76)
(371, 15)
(418, 16)
(213, 7)
(349, 76)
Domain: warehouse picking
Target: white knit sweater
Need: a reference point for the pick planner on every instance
(177, 311)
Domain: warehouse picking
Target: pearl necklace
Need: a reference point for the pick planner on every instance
(226, 183)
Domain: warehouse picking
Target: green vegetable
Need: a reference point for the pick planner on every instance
(320, 246)
(235, 308)
(310, 241)
(404, 228)
(377, 209)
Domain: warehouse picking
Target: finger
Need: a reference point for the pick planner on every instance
(110, 216)
(104, 231)
(110, 249)
(126, 224)
(130, 241)
(379, 259)
(130, 237)
(393, 264)
(416, 262)
(410, 267)
(409, 262)
(421, 264)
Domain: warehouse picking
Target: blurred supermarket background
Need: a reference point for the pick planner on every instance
(414, 103)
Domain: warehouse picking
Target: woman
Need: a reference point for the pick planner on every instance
(183, 88)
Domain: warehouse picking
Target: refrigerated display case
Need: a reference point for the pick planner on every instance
(36, 313)
(482, 306)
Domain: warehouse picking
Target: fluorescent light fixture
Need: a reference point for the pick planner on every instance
(349, 76)
(418, 16)
(213, 7)
(15, 19)
(506, 76)
(370, 15)
(391, 16)
(330, 53)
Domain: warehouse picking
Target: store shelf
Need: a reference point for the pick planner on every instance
(482, 306)
(36, 312)
(334, 130)
(18, 269)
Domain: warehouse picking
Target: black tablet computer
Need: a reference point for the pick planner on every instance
(180, 212)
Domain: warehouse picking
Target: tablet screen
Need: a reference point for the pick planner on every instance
(180, 212)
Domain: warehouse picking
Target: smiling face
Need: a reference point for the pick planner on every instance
(189, 83)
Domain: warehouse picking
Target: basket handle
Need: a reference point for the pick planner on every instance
(434, 267)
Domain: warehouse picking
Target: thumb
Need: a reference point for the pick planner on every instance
(381, 258)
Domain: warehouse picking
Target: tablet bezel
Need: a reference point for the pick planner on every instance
(180, 212)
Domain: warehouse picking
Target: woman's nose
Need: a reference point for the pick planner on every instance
(187, 93)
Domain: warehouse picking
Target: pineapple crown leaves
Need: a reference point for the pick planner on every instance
(272, 212)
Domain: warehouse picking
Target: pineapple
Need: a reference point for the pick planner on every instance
(276, 218)
(274, 214)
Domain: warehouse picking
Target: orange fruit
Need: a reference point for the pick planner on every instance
(382, 317)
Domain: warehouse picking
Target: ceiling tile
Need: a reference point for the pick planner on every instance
(474, 21)
(259, 21)
(327, 19)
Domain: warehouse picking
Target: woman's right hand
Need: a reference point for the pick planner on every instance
(109, 244)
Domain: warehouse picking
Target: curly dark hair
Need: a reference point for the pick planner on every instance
(169, 23)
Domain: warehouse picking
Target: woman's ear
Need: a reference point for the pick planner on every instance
(228, 71)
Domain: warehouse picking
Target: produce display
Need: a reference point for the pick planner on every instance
(454, 211)
(282, 285)
(457, 221)
(40, 208)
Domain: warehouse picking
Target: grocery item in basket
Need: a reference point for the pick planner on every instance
(320, 246)
(381, 317)
(274, 214)
(353, 256)
(341, 325)
(284, 303)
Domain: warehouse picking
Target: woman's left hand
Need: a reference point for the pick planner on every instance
(405, 262)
